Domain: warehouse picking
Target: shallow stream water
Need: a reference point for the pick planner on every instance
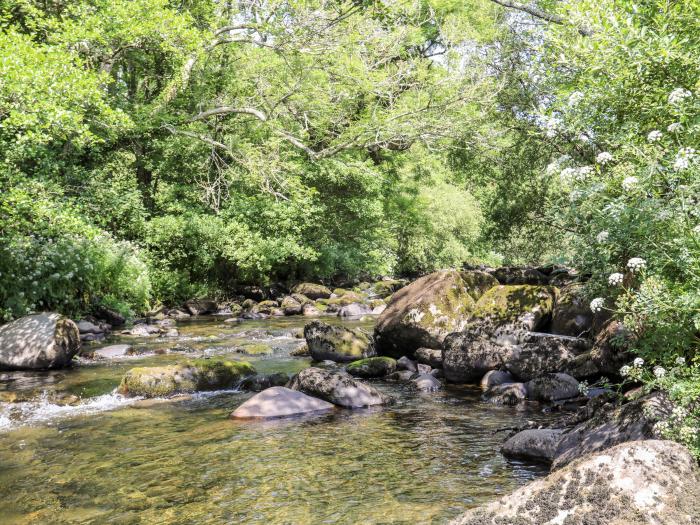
(105, 459)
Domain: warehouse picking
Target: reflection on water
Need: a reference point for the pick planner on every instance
(104, 459)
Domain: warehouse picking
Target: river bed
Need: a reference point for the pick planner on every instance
(109, 459)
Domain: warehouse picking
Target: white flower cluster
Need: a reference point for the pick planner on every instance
(636, 264)
(597, 304)
(638, 362)
(673, 128)
(680, 361)
(696, 230)
(551, 127)
(615, 279)
(678, 95)
(625, 370)
(583, 172)
(659, 372)
(603, 158)
(602, 236)
(629, 183)
(684, 158)
(654, 136)
(575, 98)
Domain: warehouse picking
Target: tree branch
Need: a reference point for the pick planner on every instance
(542, 15)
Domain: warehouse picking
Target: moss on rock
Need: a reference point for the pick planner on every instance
(372, 367)
(198, 374)
(526, 305)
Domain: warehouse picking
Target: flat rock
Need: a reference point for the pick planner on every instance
(109, 352)
(426, 383)
(279, 401)
(552, 387)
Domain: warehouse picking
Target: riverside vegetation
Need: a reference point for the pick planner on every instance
(193, 182)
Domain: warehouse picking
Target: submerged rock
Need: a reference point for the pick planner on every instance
(200, 374)
(640, 483)
(424, 312)
(426, 383)
(337, 388)
(506, 394)
(539, 444)
(372, 367)
(279, 401)
(336, 343)
(40, 341)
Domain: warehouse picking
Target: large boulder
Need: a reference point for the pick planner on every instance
(572, 314)
(279, 401)
(41, 341)
(312, 290)
(518, 307)
(539, 444)
(372, 367)
(540, 353)
(612, 425)
(337, 388)
(467, 356)
(336, 343)
(424, 312)
(200, 374)
(640, 483)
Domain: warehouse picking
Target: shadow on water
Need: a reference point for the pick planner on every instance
(111, 460)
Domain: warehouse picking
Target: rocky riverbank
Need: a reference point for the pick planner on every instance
(525, 335)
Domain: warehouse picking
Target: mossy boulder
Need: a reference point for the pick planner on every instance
(386, 288)
(424, 312)
(336, 343)
(521, 307)
(290, 306)
(265, 307)
(372, 367)
(312, 290)
(198, 374)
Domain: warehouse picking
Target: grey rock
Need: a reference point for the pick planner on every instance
(506, 394)
(400, 375)
(109, 352)
(496, 377)
(429, 356)
(86, 327)
(541, 353)
(354, 310)
(426, 383)
(404, 363)
(552, 387)
(40, 341)
(339, 389)
(277, 402)
(538, 444)
(336, 343)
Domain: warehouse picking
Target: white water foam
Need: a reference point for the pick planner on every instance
(43, 411)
